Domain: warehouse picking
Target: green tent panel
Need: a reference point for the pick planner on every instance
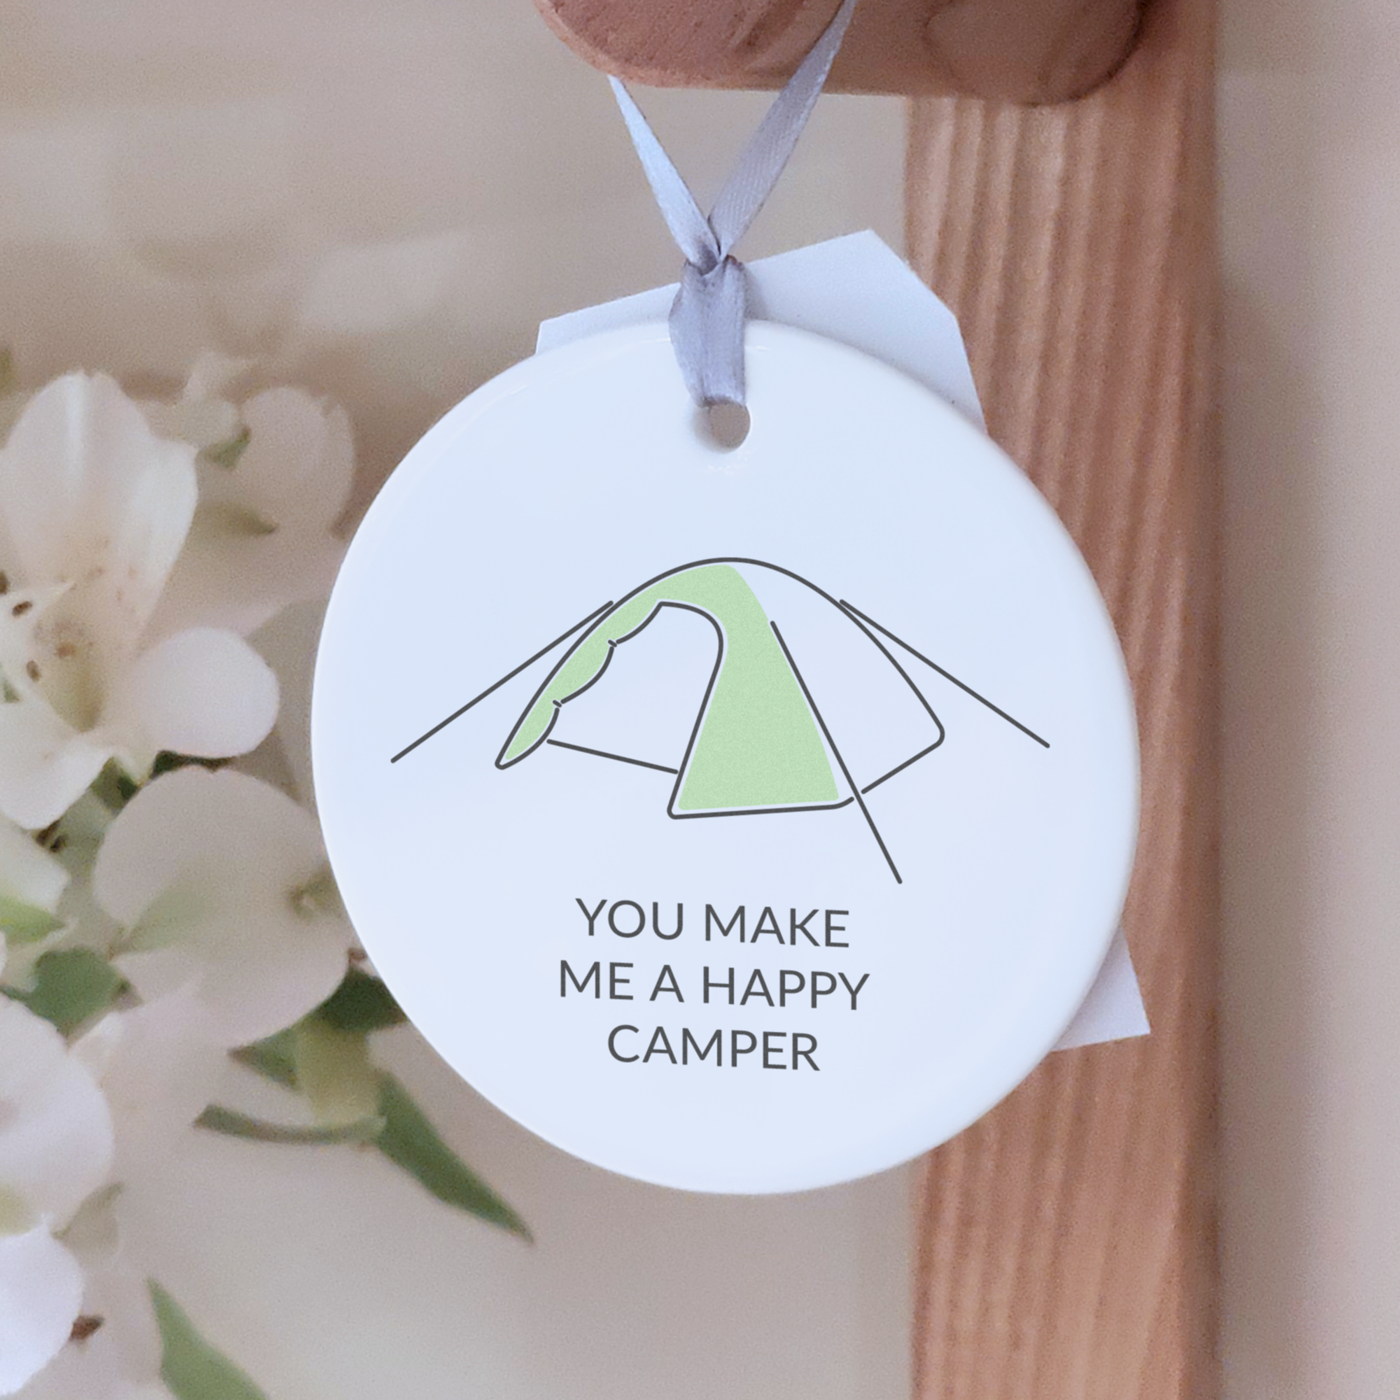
(758, 745)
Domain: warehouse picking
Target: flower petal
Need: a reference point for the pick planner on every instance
(79, 832)
(28, 873)
(41, 1295)
(32, 882)
(220, 860)
(87, 488)
(203, 692)
(121, 1359)
(190, 822)
(263, 534)
(20, 618)
(300, 459)
(231, 575)
(200, 422)
(45, 765)
(157, 1065)
(122, 1297)
(55, 1127)
(203, 414)
(264, 982)
(288, 644)
(94, 1233)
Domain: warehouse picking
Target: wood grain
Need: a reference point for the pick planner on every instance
(1067, 1242)
(1018, 50)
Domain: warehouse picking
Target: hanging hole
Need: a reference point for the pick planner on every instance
(723, 425)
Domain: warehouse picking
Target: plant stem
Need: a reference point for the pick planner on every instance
(233, 1124)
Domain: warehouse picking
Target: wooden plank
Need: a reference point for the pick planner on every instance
(1067, 1242)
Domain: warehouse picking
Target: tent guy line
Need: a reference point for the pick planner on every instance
(851, 611)
(836, 753)
(620, 758)
(919, 695)
(496, 685)
(858, 616)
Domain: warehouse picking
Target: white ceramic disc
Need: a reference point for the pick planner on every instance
(790, 798)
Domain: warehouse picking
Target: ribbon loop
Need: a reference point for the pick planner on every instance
(707, 331)
(708, 314)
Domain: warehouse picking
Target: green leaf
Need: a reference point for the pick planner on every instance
(114, 787)
(71, 985)
(273, 1058)
(23, 923)
(189, 1366)
(334, 1073)
(410, 1141)
(226, 454)
(231, 1123)
(401, 1132)
(361, 1003)
(235, 519)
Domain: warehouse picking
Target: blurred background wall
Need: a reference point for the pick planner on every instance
(1310, 163)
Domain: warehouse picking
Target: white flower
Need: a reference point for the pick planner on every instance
(204, 414)
(31, 884)
(119, 1358)
(288, 645)
(94, 510)
(76, 838)
(221, 881)
(41, 1294)
(55, 1128)
(55, 1150)
(274, 477)
(157, 1064)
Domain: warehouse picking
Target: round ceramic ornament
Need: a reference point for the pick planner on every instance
(740, 821)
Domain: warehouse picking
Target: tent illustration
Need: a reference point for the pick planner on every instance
(760, 742)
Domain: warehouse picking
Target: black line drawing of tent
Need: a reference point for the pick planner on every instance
(759, 744)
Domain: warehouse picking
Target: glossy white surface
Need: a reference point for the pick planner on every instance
(973, 894)
(383, 200)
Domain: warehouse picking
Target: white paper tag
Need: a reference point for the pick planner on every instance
(738, 821)
(858, 291)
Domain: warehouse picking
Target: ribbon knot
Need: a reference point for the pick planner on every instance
(707, 330)
(708, 314)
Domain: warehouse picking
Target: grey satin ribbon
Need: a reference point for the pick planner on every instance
(707, 316)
